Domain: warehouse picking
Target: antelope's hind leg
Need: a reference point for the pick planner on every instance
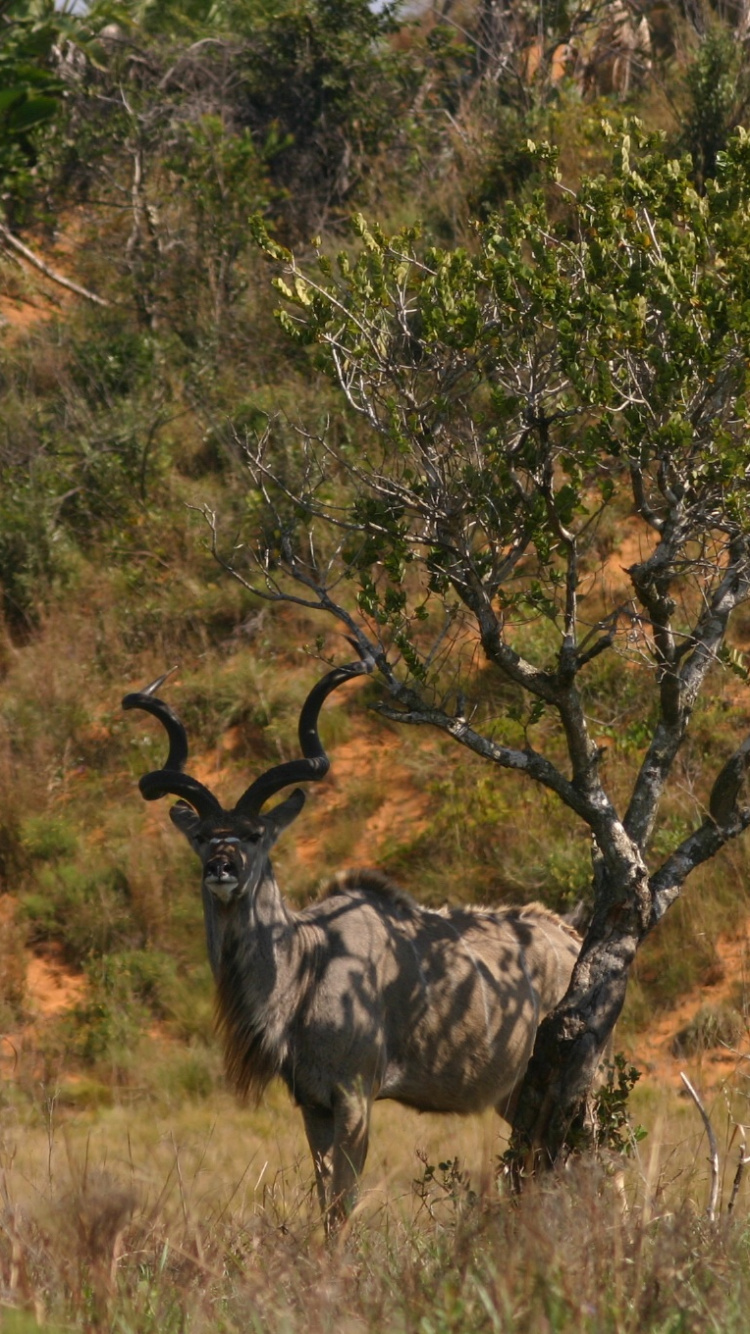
(351, 1138)
(507, 1105)
(319, 1127)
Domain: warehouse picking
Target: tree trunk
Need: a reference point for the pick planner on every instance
(551, 1117)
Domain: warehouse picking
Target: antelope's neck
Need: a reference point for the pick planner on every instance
(255, 952)
(253, 942)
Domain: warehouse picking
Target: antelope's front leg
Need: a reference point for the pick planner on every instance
(351, 1118)
(319, 1127)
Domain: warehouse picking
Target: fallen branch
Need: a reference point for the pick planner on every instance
(713, 1149)
(52, 274)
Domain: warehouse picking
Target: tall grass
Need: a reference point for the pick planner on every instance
(204, 1219)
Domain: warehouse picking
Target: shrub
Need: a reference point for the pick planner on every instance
(87, 911)
(712, 1026)
(47, 838)
(106, 1024)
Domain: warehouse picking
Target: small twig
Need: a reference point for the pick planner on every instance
(52, 274)
(713, 1149)
(744, 1159)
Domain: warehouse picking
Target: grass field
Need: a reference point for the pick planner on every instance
(202, 1217)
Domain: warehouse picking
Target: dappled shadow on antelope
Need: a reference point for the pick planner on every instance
(364, 994)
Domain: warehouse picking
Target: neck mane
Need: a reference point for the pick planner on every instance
(255, 947)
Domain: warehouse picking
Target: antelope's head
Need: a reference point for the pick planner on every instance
(234, 845)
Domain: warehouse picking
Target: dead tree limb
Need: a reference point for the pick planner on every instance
(55, 277)
(713, 1198)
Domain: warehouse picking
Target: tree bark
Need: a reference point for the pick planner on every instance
(572, 1039)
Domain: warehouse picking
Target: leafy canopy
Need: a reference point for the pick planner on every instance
(508, 391)
(30, 86)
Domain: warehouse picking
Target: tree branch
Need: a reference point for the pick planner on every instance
(728, 817)
(48, 272)
(677, 698)
(712, 1147)
(523, 761)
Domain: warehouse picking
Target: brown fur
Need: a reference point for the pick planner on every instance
(372, 882)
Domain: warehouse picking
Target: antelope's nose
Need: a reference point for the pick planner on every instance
(220, 868)
(221, 878)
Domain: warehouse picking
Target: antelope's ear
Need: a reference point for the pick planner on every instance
(282, 815)
(185, 819)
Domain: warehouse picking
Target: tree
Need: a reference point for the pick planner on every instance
(587, 361)
(30, 90)
(717, 84)
(178, 123)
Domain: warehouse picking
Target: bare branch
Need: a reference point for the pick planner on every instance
(728, 819)
(713, 1197)
(46, 269)
(523, 761)
(741, 1165)
(680, 684)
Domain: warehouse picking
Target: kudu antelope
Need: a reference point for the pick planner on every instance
(364, 994)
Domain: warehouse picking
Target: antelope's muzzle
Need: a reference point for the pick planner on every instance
(221, 875)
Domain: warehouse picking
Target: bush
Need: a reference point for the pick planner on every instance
(150, 977)
(718, 83)
(47, 838)
(712, 1026)
(106, 1025)
(88, 912)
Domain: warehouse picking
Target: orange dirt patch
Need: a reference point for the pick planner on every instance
(28, 296)
(652, 1051)
(400, 814)
(36, 300)
(51, 988)
(21, 314)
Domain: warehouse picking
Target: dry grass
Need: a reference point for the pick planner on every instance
(204, 1219)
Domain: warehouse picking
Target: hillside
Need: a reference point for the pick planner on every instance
(439, 202)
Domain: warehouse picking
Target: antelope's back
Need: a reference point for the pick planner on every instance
(486, 980)
(438, 1009)
(548, 949)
